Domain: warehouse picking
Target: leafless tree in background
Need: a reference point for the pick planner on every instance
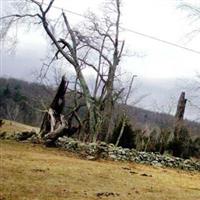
(192, 89)
(95, 46)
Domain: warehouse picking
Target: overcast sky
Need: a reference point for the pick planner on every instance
(157, 61)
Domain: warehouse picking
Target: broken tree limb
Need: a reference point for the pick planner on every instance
(58, 102)
(53, 122)
(51, 137)
(121, 130)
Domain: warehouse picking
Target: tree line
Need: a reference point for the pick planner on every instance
(143, 130)
(95, 45)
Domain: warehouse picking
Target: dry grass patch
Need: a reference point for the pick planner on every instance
(15, 127)
(34, 172)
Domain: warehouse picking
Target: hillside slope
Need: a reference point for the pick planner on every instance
(25, 102)
(15, 127)
(35, 172)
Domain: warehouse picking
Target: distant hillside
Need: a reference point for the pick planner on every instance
(26, 102)
(23, 101)
(141, 117)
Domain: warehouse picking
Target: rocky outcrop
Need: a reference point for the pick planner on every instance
(93, 151)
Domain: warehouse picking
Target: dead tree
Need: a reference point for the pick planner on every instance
(181, 142)
(53, 123)
(179, 116)
(96, 46)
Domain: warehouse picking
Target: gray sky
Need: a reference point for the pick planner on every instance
(161, 63)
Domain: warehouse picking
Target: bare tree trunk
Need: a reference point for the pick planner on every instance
(179, 114)
(53, 122)
(73, 59)
(122, 130)
(77, 49)
(109, 101)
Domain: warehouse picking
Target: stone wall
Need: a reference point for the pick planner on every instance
(93, 151)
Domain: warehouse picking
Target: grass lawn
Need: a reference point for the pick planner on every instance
(33, 172)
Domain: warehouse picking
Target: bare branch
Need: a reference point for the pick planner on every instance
(129, 88)
(49, 7)
(93, 67)
(20, 16)
(72, 36)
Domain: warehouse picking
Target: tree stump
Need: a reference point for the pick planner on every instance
(180, 144)
(179, 116)
(54, 124)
